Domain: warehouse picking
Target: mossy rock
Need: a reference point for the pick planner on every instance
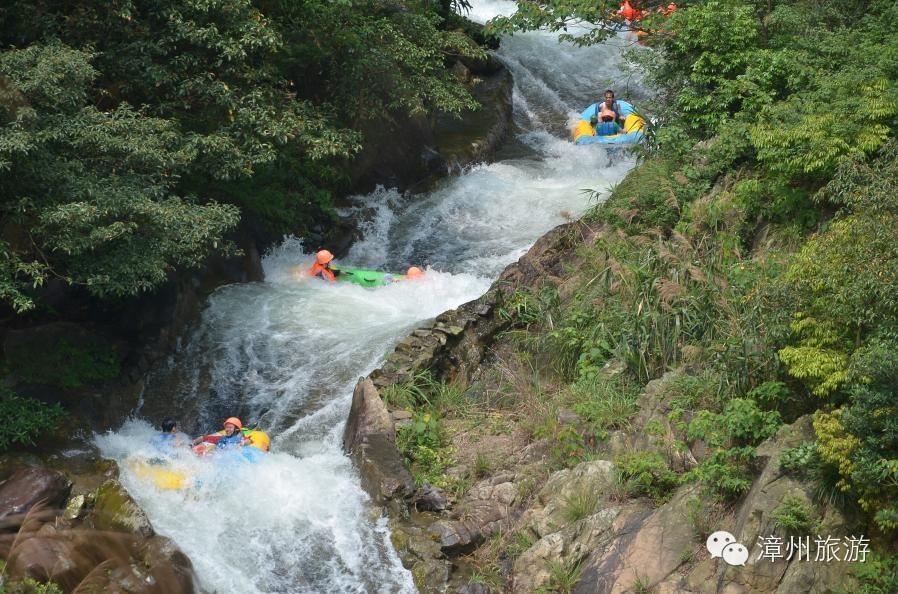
(115, 510)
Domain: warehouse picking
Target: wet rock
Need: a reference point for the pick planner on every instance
(74, 507)
(163, 567)
(107, 562)
(368, 415)
(476, 136)
(29, 485)
(420, 553)
(114, 509)
(66, 559)
(474, 589)
(430, 498)
(369, 438)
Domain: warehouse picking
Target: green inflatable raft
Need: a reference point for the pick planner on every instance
(366, 278)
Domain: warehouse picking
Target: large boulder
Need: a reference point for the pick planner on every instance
(29, 485)
(107, 562)
(646, 553)
(369, 438)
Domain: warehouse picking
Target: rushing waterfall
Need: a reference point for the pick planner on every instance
(286, 353)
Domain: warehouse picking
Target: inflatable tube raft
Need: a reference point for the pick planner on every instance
(367, 278)
(160, 473)
(166, 475)
(258, 440)
(584, 133)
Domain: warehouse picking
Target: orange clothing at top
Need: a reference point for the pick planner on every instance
(633, 14)
(627, 11)
(413, 273)
(321, 267)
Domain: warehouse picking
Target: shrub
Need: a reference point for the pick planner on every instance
(26, 419)
(794, 515)
(647, 474)
(421, 443)
(877, 575)
(727, 473)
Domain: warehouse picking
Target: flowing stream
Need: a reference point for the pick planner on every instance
(286, 353)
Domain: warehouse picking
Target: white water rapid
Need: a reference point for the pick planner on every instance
(286, 353)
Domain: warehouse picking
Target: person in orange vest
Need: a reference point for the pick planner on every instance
(230, 436)
(414, 273)
(322, 267)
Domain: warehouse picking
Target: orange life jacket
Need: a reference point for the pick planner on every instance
(604, 112)
(627, 11)
(320, 271)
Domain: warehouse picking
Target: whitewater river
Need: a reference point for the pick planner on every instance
(286, 353)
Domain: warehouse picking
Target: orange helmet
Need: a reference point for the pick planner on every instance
(324, 256)
(414, 272)
(233, 421)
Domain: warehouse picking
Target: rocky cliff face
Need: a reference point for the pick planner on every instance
(525, 525)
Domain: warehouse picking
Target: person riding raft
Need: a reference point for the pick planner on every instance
(230, 437)
(322, 267)
(608, 119)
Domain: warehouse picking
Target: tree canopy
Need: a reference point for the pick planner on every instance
(132, 132)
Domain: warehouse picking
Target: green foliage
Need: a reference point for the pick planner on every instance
(794, 515)
(426, 392)
(726, 473)
(862, 439)
(731, 435)
(422, 444)
(646, 474)
(556, 15)
(26, 419)
(93, 192)
(649, 200)
(521, 541)
(523, 308)
(740, 423)
(799, 458)
(568, 447)
(876, 575)
(130, 132)
(29, 586)
(482, 465)
(844, 275)
(606, 404)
